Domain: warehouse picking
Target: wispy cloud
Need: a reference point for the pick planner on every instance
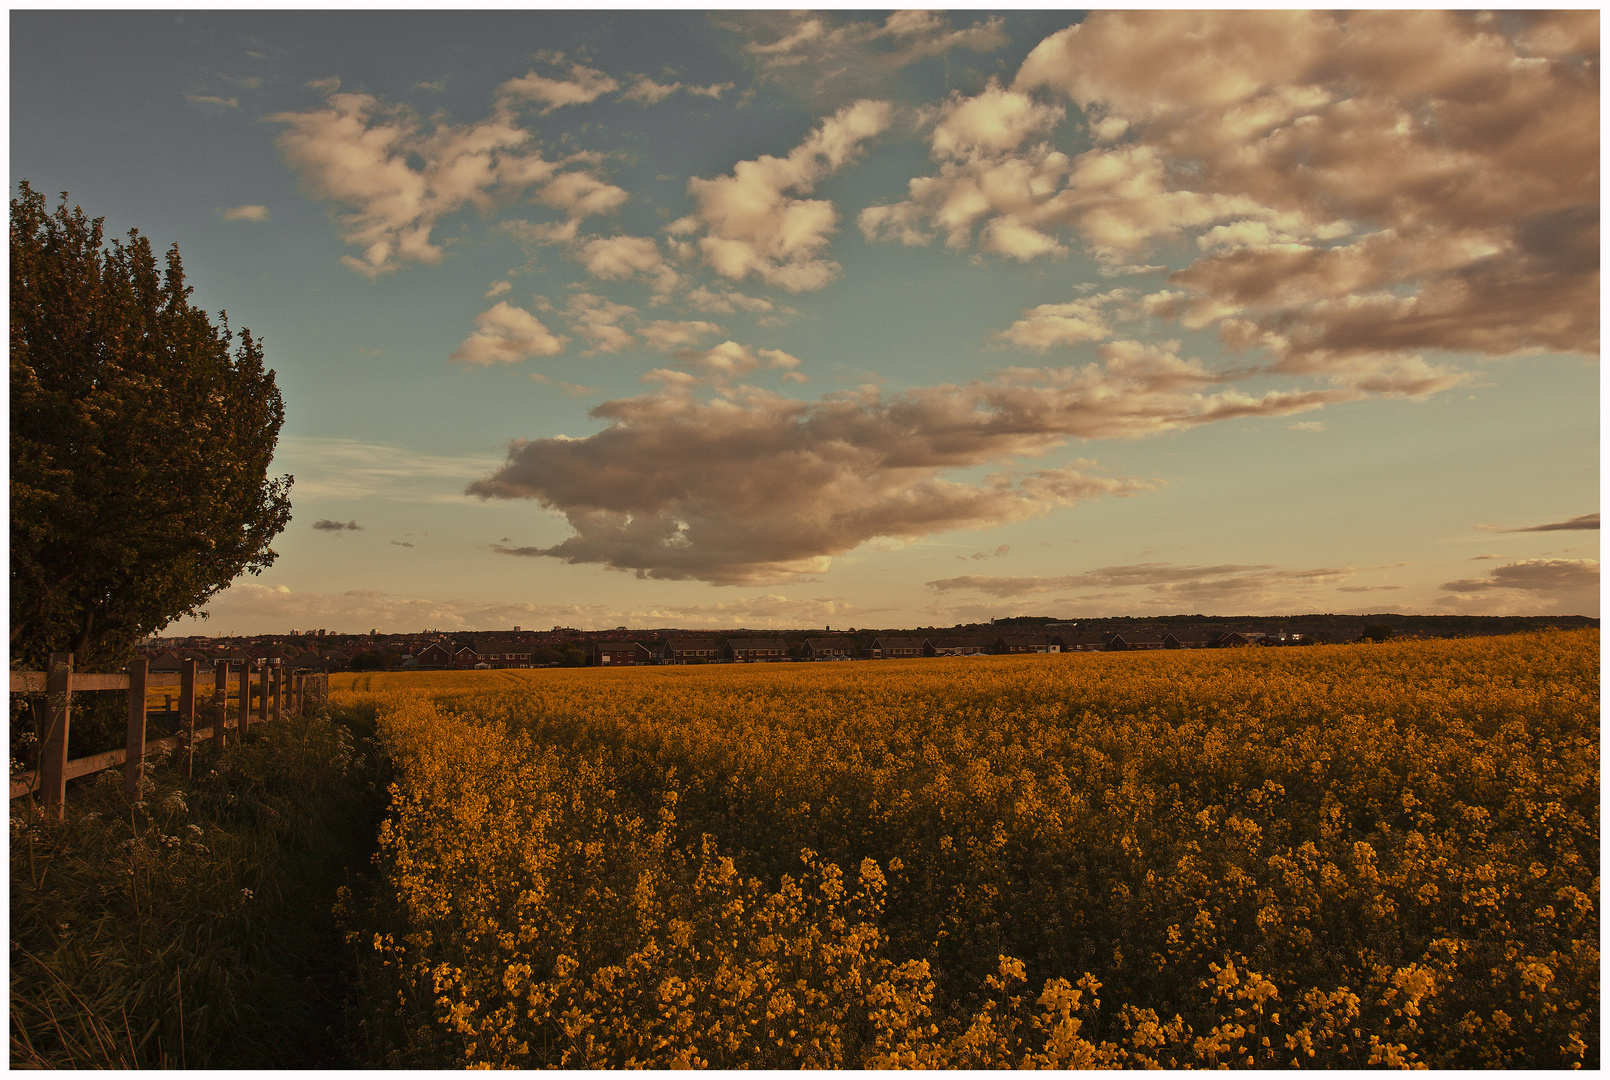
(326, 525)
(251, 212)
(251, 604)
(997, 553)
(1186, 584)
(1559, 576)
(214, 100)
(1584, 521)
(831, 57)
(342, 470)
(582, 86)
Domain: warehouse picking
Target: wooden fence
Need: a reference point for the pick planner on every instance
(274, 691)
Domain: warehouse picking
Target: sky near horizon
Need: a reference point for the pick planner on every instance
(780, 319)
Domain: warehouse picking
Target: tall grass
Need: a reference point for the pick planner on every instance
(193, 928)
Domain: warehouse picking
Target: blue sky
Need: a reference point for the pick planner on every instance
(791, 319)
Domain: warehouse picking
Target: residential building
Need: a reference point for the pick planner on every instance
(755, 650)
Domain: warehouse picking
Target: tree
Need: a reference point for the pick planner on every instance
(141, 436)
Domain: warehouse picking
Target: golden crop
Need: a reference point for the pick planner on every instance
(1331, 856)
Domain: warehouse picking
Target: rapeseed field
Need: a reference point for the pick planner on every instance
(1334, 856)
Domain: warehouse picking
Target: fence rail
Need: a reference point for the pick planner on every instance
(275, 691)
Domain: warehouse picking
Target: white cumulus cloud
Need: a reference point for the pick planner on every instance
(755, 220)
(505, 334)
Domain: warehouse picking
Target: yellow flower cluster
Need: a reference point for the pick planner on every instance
(1334, 856)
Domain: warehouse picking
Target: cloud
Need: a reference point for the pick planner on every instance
(1166, 582)
(822, 56)
(1368, 588)
(666, 335)
(1308, 425)
(1354, 199)
(714, 90)
(505, 334)
(754, 222)
(214, 100)
(498, 288)
(326, 525)
(581, 195)
(246, 213)
(730, 360)
(573, 389)
(251, 604)
(584, 85)
(343, 470)
(1534, 575)
(992, 122)
(726, 303)
(1535, 586)
(997, 553)
(719, 365)
(645, 91)
(753, 486)
(397, 176)
(1076, 322)
(1584, 521)
(621, 258)
(597, 319)
(401, 543)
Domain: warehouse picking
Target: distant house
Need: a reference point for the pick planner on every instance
(620, 654)
(1087, 642)
(1134, 640)
(895, 648)
(465, 656)
(335, 660)
(828, 648)
(435, 655)
(958, 646)
(165, 660)
(505, 652)
(1011, 644)
(1188, 639)
(1237, 638)
(690, 650)
(754, 650)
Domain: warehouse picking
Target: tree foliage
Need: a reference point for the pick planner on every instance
(141, 436)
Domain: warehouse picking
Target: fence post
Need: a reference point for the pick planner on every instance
(187, 714)
(134, 752)
(245, 700)
(220, 700)
(262, 691)
(279, 688)
(53, 750)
